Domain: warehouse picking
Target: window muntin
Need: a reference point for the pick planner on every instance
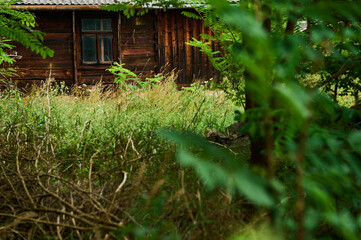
(101, 25)
(97, 41)
(105, 49)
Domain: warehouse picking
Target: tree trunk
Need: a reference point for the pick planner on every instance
(257, 145)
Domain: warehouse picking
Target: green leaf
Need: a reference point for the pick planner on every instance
(355, 141)
(296, 98)
(228, 173)
(253, 187)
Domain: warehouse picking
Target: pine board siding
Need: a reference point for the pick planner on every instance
(138, 44)
(146, 45)
(174, 31)
(32, 68)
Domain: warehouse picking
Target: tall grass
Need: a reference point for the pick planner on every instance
(89, 164)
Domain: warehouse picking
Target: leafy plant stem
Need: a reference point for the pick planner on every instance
(269, 145)
(300, 204)
(195, 115)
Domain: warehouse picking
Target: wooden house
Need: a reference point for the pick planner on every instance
(87, 40)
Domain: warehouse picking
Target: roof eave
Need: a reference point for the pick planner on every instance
(57, 7)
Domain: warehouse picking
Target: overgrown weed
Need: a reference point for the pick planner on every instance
(90, 165)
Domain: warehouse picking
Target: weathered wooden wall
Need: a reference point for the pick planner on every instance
(146, 44)
(32, 67)
(174, 30)
(138, 43)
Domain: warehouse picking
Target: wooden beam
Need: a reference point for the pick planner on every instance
(158, 30)
(75, 57)
(119, 22)
(188, 51)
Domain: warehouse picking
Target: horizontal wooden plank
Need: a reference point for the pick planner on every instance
(43, 74)
(57, 36)
(137, 46)
(54, 27)
(31, 64)
(28, 55)
(138, 39)
(147, 19)
(94, 68)
(30, 83)
(146, 67)
(140, 62)
(91, 80)
(137, 52)
(53, 21)
(139, 57)
(96, 73)
(34, 58)
(61, 47)
(137, 30)
(57, 46)
(133, 31)
(144, 75)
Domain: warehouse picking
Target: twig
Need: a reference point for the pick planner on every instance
(18, 219)
(88, 122)
(186, 199)
(223, 146)
(96, 203)
(135, 150)
(341, 71)
(86, 140)
(116, 192)
(10, 183)
(30, 219)
(82, 135)
(122, 183)
(73, 219)
(90, 171)
(126, 149)
(58, 228)
(195, 115)
(81, 213)
(19, 173)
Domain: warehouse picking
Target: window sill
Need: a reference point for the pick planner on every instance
(95, 66)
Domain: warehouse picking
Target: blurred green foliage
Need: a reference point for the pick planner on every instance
(127, 80)
(316, 195)
(231, 71)
(18, 26)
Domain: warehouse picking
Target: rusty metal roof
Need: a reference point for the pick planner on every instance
(86, 2)
(70, 2)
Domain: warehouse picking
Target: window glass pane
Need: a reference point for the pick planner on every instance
(105, 49)
(106, 24)
(89, 24)
(96, 24)
(89, 49)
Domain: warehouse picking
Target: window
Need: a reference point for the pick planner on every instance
(97, 41)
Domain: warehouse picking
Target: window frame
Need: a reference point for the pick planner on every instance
(97, 33)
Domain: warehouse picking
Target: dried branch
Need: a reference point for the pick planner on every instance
(343, 69)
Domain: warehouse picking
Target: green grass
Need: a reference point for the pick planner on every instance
(63, 151)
